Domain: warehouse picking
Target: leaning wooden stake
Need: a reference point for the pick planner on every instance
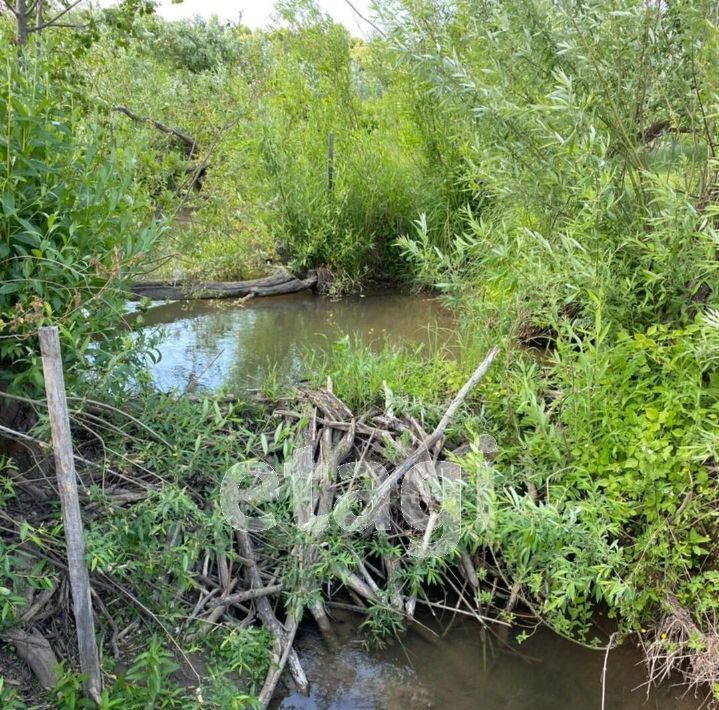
(69, 501)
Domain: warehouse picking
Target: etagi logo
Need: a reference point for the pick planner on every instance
(437, 500)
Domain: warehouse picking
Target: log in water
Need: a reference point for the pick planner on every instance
(279, 283)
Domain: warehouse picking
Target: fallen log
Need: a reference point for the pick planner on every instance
(277, 284)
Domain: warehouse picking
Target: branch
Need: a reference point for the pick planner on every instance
(69, 25)
(35, 650)
(52, 22)
(364, 19)
(11, 8)
(182, 137)
(386, 486)
(657, 129)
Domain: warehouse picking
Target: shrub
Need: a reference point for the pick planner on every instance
(72, 224)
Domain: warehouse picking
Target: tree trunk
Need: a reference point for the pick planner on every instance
(21, 19)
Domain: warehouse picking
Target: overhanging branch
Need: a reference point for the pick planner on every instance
(53, 21)
(189, 142)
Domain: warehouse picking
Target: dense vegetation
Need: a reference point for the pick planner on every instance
(549, 167)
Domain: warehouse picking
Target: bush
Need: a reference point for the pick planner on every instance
(195, 45)
(594, 241)
(73, 224)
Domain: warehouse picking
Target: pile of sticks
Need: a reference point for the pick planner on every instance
(241, 580)
(330, 437)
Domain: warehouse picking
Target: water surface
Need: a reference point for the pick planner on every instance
(463, 672)
(214, 344)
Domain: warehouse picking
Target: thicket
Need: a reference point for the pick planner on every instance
(549, 167)
(590, 131)
(262, 118)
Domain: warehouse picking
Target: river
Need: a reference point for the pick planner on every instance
(468, 670)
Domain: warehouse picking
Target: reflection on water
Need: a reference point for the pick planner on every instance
(545, 672)
(218, 343)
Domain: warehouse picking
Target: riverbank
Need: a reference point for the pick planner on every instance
(412, 521)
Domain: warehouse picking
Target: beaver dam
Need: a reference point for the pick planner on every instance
(459, 634)
(316, 556)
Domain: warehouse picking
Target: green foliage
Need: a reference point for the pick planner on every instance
(147, 683)
(21, 575)
(152, 548)
(71, 222)
(402, 379)
(152, 668)
(196, 45)
(9, 698)
(583, 127)
(277, 95)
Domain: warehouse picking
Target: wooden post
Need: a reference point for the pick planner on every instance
(330, 163)
(72, 521)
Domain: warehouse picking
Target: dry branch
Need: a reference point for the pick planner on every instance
(183, 138)
(220, 595)
(429, 443)
(267, 616)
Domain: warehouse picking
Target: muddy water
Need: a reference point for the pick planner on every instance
(464, 673)
(214, 344)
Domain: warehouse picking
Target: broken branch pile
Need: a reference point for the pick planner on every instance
(347, 541)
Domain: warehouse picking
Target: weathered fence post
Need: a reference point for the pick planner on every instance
(72, 521)
(330, 163)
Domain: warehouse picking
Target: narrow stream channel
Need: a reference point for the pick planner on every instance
(226, 345)
(216, 344)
